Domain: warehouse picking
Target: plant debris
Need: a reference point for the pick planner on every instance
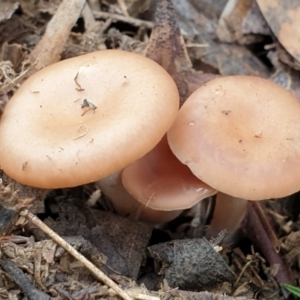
(190, 264)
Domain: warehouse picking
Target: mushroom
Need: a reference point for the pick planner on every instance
(241, 136)
(159, 186)
(84, 118)
(126, 205)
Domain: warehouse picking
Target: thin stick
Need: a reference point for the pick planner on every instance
(129, 20)
(89, 20)
(61, 242)
(243, 270)
(49, 48)
(263, 218)
(123, 8)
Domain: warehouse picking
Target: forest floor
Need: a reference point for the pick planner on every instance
(201, 40)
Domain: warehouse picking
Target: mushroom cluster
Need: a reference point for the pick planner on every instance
(103, 117)
(238, 135)
(84, 118)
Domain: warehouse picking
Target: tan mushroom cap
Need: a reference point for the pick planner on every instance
(241, 135)
(160, 181)
(49, 141)
(125, 205)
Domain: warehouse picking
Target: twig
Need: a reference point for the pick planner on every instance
(146, 297)
(259, 237)
(22, 281)
(263, 218)
(60, 241)
(89, 20)
(123, 8)
(243, 270)
(49, 48)
(129, 20)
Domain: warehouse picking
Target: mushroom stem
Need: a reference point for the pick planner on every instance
(229, 213)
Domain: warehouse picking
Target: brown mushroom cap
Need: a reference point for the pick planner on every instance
(49, 141)
(241, 135)
(160, 181)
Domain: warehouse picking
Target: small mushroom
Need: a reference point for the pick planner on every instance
(126, 205)
(241, 136)
(84, 118)
(159, 181)
(155, 188)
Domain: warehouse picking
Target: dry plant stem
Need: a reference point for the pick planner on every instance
(7, 87)
(264, 220)
(129, 20)
(146, 297)
(123, 7)
(60, 241)
(259, 237)
(49, 48)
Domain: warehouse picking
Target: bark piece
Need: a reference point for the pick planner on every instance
(191, 264)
